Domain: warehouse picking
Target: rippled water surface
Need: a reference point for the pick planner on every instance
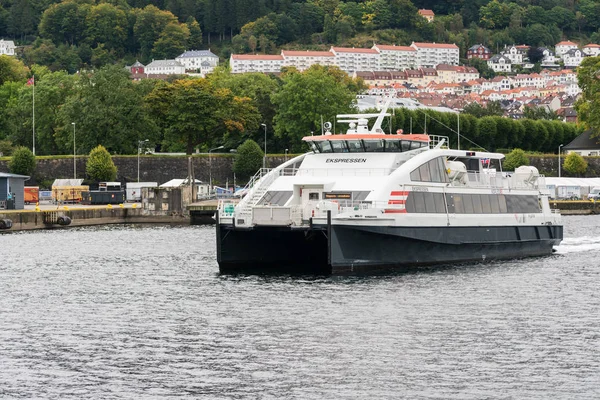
(139, 312)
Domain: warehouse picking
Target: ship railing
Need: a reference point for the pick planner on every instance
(435, 140)
(498, 180)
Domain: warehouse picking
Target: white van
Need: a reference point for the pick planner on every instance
(594, 193)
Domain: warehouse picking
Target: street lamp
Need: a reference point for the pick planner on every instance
(210, 168)
(286, 150)
(559, 159)
(140, 143)
(265, 156)
(74, 154)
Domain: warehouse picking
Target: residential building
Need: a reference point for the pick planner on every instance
(479, 51)
(303, 60)
(202, 61)
(395, 58)
(564, 46)
(549, 60)
(591, 49)
(7, 47)
(164, 67)
(241, 63)
(446, 73)
(513, 54)
(466, 74)
(499, 63)
(137, 68)
(430, 55)
(352, 59)
(572, 58)
(429, 15)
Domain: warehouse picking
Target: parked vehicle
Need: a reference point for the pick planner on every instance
(32, 194)
(594, 194)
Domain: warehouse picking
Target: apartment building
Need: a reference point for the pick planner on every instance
(429, 55)
(265, 63)
(351, 59)
(395, 58)
(303, 60)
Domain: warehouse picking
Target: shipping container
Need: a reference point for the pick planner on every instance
(68, 194)
(134, 190)
(32, 194)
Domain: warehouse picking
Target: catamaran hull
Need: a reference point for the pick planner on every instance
(347, 250)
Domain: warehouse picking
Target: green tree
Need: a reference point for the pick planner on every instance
(107, 25)
(12, 69)
(248, 159)
(100, 166)
(588, 105)
(150, 22)
(575, 164)
(515, 159)
(22, 162)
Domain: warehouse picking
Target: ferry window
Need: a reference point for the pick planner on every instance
(338, 146)
(276, 197)
(502, 203)
(442, 167)
(486, 207)
(458, 204)
(468, 204)
(405, 145)
(415, 175)
(314, 147)
(419, 202)
(438, 199)
(373, 146)
(324, 146)
(355, 146)
(313, 196)
(477, 208)
(429, 203)
(494, 204)
(392, 146)
(434, 168)
(424, 171)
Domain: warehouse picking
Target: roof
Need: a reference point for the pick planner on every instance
(266, 57)
(584, 142)
(353, 50)
(591, 45)
(435, 45)
(393, 47)
(197, 53)
(67, 182)
(7, 175)
(566, 43)
(307, 53)
(137, 64)
(164, 63)
(477, 47)
(424, 11)
(177, 183)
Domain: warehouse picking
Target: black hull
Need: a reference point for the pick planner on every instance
(348, 250)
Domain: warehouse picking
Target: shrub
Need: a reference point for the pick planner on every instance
(22, 162)
(575, 164)
(6, 148)
(100, 166)
(248, 160)
(514, 160)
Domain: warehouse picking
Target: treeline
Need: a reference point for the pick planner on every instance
(186, 113)
(84, 34)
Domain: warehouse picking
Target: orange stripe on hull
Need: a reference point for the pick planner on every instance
(397, 202)
(397, 193)
(394, 211)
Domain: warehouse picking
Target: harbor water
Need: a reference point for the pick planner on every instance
(140, 312)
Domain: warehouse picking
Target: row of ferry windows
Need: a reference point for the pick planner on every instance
(432, 171)
(424, 202)
(366, 146)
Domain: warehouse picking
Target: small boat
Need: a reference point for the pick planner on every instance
(365, 202)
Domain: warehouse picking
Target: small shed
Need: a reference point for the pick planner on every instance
(202, 189)
(12, 188)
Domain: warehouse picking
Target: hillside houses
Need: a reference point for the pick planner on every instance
(7, 47)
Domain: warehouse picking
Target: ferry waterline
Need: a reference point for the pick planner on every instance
(366, 201)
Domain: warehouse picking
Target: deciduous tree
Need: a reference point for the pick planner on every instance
(100, 166)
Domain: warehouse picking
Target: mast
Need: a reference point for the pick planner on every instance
(33, 112)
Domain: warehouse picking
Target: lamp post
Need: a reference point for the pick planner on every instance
(265, 156)
(74, 154)
(559, 159)
(210, 168)
(286, 150)
(140, 143)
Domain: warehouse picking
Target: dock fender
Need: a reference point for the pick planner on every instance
(5, 224)
(64, 220)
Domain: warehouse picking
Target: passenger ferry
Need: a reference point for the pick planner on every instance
(366, 201)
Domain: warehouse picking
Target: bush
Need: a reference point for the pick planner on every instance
(6, 148)
(515, 159)
(575, 164)
(100, 166)
(22, 162)
(248, 160)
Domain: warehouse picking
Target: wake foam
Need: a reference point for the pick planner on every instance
(579, 245)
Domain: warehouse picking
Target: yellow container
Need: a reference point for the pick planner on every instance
(68, 194)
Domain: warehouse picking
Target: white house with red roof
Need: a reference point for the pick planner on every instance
(303, 60)
(352, 59)
(265, 63)
(591, 49)
(430, 55)
(429, 15)
(564, 46)
(395, 58)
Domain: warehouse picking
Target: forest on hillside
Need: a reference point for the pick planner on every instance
(74, 34)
